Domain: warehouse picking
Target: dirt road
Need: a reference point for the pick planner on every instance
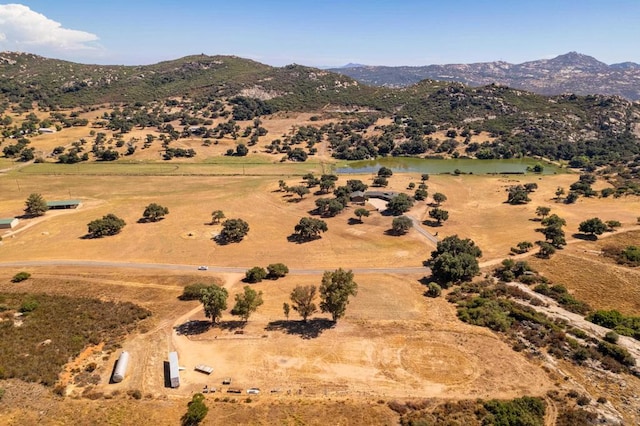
(212, 269)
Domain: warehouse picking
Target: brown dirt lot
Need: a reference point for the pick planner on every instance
(593, 278)
(393, 343)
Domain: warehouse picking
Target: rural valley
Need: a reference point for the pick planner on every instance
(212, 206)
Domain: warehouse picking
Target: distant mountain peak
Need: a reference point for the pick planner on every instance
(353, 65)
(571, 72)
(577, 59)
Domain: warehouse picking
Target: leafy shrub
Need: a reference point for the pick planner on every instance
(520, 411)
(434, 290)
(277, 270)
(20, 276)
(28, 306)
(611, 337)
(255, 274)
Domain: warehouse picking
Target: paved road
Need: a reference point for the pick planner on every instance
(216, 269)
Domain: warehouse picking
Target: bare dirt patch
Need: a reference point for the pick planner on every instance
(593, 278)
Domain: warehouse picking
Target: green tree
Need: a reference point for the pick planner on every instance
(538, 168)
(217, 216)
(380, 181)
(302, 301)
(439, 198)
(546, 249)
(192, 291)
(241, 150)
(455, 260)
(420, 194)
(234, 230)
(154, 212)
(552, 230)
(335, 290)
(247, 303)
(354, 185)
(214, 301)
(572, 197)
(439, 214)
(196, 411)
(559, 193)
(399, 204)
(299, 190)
(593, 226)
(543, 211)
(277, 270)
(326, 183)
(309, 228)
(385, 172)
(35, 205)
(255, 274)
(361, 212)
(518, 195)
(424, 177)
(110, 224)
(400, 225)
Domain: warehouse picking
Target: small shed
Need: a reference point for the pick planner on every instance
(63, 204)
(8, 222)
(357, 197)
(202, 368)
(121, 367)
(174, 370)
(46, 130)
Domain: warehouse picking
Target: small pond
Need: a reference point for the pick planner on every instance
(438, 166)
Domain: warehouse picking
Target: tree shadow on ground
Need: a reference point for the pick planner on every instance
(294, 200)
(391, 232)
(354, 221)
(431, 223)
(231, 325)
(296, 238)
(306, 330)
(193, 327)
(585, 237)
(147, 220)
(222, 241)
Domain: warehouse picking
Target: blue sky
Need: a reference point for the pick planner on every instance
(322, 32)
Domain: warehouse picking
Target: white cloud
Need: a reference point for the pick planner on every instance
(22, 29)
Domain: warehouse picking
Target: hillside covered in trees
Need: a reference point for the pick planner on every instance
(585, 130)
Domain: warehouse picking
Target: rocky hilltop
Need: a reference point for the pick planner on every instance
(569, 73)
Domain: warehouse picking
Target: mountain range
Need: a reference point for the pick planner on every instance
(569, 73)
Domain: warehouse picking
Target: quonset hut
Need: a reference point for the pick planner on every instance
(121, 367)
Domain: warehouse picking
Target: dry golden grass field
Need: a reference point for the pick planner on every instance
(393, 343)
